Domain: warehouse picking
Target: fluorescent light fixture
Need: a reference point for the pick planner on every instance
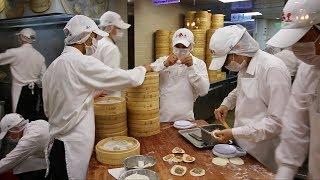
(230, 1)
(252, 13)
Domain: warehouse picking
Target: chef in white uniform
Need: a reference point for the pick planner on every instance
(27, 65)
(301, 119)
(108, 52)
(290, 60)
(27, 159)
(68, 88)
(261, 94)
(183, 78)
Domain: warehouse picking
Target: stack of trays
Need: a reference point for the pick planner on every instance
(14, 8)
(203, 20)
(143, 107)
(114, 150)
(200, 43)
(162, 43)
(208, 52)
(217, 21)
(1, 5)
(110, 117)
(39, 6)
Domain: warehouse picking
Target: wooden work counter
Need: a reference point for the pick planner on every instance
(161, 144)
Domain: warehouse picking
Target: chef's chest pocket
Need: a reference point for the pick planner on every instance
(249, 88)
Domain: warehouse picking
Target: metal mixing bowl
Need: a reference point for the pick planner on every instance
(132, 161)
(150, 174)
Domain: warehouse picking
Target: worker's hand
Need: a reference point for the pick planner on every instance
(187, 61)
(148, 67)
(224, 136)
(171, 60)
(221, 113)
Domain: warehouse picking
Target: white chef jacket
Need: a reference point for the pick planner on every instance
(27, 65)
(68, 87)
(260, 97)
(301, 126)
(109, 54)
(29, 154)
(180, 86)
(290, 60)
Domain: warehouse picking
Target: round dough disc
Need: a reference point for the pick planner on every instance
(172, 171)
(168, 157)
(220, 161)
(203, 172)
(236, 161)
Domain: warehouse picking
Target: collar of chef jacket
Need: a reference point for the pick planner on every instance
(70, 49)
(253, 64)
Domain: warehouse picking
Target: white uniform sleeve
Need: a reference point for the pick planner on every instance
(99, 76)
(42, 71)
(278, 85)
(7, 57)
(293, 148)
(230, 100)
(26, 147)
(198, 78)
(158, 65)
(111, 57)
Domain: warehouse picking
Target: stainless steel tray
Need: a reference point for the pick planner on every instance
(197, 143)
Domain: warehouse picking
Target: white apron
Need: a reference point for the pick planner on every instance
(263, 151)
(15, 94)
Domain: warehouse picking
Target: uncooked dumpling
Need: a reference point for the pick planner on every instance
(197, 172)
(236, 161)
(177, 159)
(187, 158)
(178, 170)
(168, 157)
(178, 150)
(220, 161)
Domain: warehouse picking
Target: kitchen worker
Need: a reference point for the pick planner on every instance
(27, 67)
(183, 78)
(27, 159)
(260, 97)
(108, 52)
(301, 119)
(68, 88)
(290, 60)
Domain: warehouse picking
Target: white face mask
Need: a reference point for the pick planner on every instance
(181, 52)
(119, 35)
(236, 67)
(306, 52)
(93, 48)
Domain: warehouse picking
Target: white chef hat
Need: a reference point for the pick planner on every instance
(27, 35)
(79, 29)
(9, 121)
(112, 18)
(232, 39)
(298, 18)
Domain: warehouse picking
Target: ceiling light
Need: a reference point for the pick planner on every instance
(229, 1)
(253, 13)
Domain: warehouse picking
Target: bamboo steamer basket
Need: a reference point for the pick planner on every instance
(143, 115)
(107, 135)
(152, 96)
(145, 134)
(14, 8)
(145, 99)
(217, 21)
(151, 78)
(142, 122)
(116, 105)
(144, 88)
(189, 18)
(209, 56)
(143, 105)
(144, 128)
(1, 5)
(39, 6)
(116, 157)
(110, 119)
(109, 129)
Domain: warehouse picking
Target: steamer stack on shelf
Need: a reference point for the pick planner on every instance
(143, 107)
(110, 117)
(39, 6)
(217, 21)
(203, 20)
(162, 43)
(14, 8)
(200, 43)
(189, 19)
(1, 5)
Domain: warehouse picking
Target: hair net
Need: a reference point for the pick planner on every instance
(76, 39)
(247, 46)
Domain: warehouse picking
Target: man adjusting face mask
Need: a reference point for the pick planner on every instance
(93, 48)
(235, 66)
(306, 52)
(181, 52)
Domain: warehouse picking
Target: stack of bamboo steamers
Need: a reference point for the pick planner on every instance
(143, 107)
(163, 43)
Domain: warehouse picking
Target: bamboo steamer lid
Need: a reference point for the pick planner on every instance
(100, 136)
(110, 105)
(145, 88)
(146, 134)
(116, 157)
(1, 5)
(14, 8)
(39, 6)
(143, 105)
